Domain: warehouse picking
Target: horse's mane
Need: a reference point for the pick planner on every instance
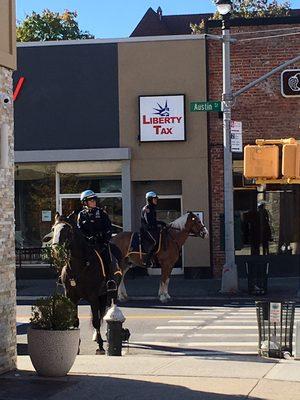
(78, 235)
(180, 222)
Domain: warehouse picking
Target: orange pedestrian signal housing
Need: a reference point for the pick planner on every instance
(261, 161)
(291, 161)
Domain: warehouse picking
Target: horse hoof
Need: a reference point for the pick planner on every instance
(100, 352)
(163, 299)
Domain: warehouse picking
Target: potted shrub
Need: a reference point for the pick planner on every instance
(53, 340)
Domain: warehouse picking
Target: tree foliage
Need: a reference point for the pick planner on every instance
(252, 9)
(50, 25)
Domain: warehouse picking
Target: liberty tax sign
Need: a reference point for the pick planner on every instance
(162, 118)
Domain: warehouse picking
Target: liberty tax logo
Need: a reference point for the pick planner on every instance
(162, 111)
(162, 118)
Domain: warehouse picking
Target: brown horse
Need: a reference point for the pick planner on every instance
(83, 274)
(171, 242)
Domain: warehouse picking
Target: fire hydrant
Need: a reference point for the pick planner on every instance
(115, 333)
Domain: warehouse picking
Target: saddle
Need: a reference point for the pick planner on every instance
(140, 244)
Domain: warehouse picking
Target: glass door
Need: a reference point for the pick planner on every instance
(112, 205)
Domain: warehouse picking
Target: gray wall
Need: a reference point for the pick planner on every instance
(69, 98)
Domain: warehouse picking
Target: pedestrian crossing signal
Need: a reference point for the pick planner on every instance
(261, 161)
(291, 161)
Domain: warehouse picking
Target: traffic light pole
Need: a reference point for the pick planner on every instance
(229, 272)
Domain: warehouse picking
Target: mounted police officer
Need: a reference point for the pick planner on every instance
(96, 226)
(150, 227)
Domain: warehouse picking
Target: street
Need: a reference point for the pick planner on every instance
(181, 328)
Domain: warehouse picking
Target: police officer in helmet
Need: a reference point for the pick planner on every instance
(150, 227)
(96, 226)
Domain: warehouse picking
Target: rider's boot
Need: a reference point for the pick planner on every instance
(111, 282)
(148, 262)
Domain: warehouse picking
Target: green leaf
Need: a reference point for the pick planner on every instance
(50, 25)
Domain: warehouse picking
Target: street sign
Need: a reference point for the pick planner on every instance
(290, 83)
(206, 106)
(236, 137)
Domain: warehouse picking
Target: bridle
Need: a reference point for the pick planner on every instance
(189, 233)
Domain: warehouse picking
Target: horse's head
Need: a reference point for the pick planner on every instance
(195, 226)
(62, 230)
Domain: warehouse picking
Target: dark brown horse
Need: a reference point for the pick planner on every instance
(83, 275)
(173, 238)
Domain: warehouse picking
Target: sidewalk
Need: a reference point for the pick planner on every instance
(156, 378)
(146, 287)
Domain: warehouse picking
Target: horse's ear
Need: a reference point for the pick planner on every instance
(73, 216)
(57, 215)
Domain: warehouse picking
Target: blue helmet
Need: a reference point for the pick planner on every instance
(151, 195)
(87, 194)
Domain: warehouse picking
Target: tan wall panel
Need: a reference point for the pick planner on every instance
(8, 34)
(161, 68)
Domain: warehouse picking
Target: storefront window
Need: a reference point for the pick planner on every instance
(35, 203)
(267, 217)
(77, 183)
(112, 205)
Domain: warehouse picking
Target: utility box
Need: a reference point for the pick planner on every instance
(261, 161)
(291, 161)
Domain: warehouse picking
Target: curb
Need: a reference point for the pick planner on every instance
(175, 298)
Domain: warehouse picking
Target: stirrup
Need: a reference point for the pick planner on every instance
(111, 286)
(148, 264)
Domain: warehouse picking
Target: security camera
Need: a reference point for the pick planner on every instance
(6, 99)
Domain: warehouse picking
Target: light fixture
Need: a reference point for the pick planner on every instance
(223, 6)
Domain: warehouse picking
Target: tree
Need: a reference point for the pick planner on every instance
(50, 25)
(251, 9)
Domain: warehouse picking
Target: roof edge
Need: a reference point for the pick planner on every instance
(163, 38)
(289, 19)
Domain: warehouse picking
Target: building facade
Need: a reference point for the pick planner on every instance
(262, 112)
(7, 248)
(79, 122)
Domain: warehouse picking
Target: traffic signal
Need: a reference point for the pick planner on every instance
(261, 161)
(291, 161)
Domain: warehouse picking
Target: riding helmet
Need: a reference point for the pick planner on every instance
(151, 195)
(87, 195)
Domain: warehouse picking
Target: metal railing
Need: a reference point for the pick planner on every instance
(29, 256)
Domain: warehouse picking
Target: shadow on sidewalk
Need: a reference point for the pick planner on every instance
(77, 387)
(194, 352)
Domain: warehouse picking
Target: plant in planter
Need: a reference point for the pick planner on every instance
(53, 339)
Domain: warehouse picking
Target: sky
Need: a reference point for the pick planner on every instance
(116, 18)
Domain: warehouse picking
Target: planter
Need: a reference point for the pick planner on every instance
(52, 353)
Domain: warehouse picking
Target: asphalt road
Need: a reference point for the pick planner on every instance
(201, 328)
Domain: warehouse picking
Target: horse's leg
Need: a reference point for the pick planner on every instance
(163, 294)
(122, 293)
(72, 296)
(96, 324)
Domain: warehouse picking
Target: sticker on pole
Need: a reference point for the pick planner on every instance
(275, 313)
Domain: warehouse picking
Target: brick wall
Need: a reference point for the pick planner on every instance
(264, 112)
(7, 248)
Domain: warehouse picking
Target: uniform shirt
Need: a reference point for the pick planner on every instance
(148, 217)
(94, 222)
